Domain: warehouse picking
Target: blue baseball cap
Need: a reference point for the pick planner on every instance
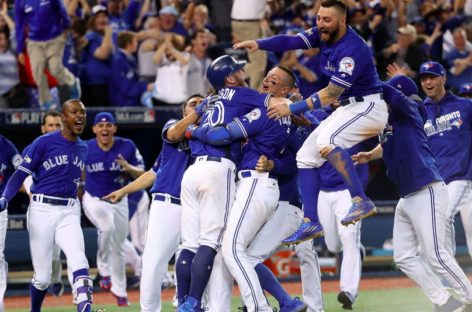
(404, 84)
(433, 68)
(104, 117)
(465, 88)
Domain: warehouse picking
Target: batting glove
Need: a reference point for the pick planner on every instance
(189, 131)
(3, 204)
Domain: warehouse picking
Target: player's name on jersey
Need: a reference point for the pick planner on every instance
(62, 160)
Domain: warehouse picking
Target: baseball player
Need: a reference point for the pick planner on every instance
(163, 233)
(420, 215)
(449, 121)
(346, 58)
(10, 159)
(138, 204)
(206, 204)
(51, 122)
(110, 163)
(257, 193)
(56, 161)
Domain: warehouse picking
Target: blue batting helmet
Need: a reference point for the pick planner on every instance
(404, 84)
(221, 68)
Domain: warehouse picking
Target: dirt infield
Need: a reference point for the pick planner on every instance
(293, 288)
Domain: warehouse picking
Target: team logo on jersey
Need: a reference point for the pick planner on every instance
(446, 122)
(346, 65)
(387, 132)
(16, 160)
(255, 114)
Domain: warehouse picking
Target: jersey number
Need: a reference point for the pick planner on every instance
(215, 115)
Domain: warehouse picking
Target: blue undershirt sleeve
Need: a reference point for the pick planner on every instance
(14, 184)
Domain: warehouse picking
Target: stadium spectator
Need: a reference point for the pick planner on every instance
(404, 52)
(466, 90)
(146, 67)
(169, 21)
(127, 89)
(196, 18)
(459, 60)
(9, 79)
(97, 59)
(122, 14)
(40, 27)
(172, 70)
(198, 63)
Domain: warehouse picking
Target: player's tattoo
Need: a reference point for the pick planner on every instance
(334, 91)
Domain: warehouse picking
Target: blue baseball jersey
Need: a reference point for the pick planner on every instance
(103, 174)
(171, 164)
(407, 155)
(449, 130)
(231, 102)
(56, 165)
(264, 136)
(10, 159)
(349, 62)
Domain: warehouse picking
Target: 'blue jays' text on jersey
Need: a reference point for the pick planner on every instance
(265, 136)
(409, 160)
(231, 102)
(103, 174)
(171, 164)
(449, 130)
(10, 159)
(349, 62)
(55, 164)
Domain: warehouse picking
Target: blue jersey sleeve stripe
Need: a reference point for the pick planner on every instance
(340, 82)
(267, 99)
(238, 122)
(307, 42)
(24, 169)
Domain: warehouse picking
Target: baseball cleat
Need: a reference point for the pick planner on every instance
(346, 300)
(105, 282)
(451, 305)
(307, 230)
(121, 301)
(360, 209)
(57, 289)
(294, 305)
(190, 305)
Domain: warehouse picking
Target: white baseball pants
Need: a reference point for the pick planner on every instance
(256, 200)
(346, 127)
(162, 241)
(460, 199)
(420, 220)
(49, 225)
(111, 221)
(333, 207)
(3, 263)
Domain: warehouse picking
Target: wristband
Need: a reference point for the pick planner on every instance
(315, 98)
(299, 107)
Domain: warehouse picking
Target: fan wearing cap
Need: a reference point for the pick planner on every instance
(112, 161)
(449, 129)
(465, 90)
(169, 17)
(411, 166)
(97, 58)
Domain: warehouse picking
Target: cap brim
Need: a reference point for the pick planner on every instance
(429, 73)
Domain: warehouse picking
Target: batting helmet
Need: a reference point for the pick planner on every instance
(404, 84)
(221, 68)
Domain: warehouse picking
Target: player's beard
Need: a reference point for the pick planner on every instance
(332, 35)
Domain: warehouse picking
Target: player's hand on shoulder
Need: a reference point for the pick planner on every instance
(251, 45)
(361, 158)
(114, 197)
(3, 204)
(278, 107)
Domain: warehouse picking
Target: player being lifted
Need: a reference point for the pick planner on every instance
(347, 59)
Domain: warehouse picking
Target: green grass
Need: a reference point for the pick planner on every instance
(393, 300)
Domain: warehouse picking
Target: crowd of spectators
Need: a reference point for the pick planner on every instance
(150, 52)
